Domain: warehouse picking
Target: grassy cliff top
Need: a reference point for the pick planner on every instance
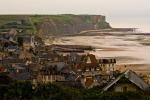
(30, 22)
(38, 18)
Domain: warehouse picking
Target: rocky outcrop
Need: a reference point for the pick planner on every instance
(71, 24)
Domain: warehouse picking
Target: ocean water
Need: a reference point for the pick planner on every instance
(128, 49)
(142, 23)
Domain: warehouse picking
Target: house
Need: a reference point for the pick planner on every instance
(12, 48)
(107, 66)
(21, 76)
(88, 63)
(2, 69)
(90, 59)
(19, 72)
(17, 68)
(127, 81)
(9, 34)
(28, 42)
(12, 32)
(60, 65)
(12, 60)
(75, 58)
(50, 74)
(45, 56)
(25, 54)
(34, 67)
(88, 71)
(4, 43)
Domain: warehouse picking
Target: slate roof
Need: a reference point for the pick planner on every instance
(20, 76)
(12, 60)
(27, 38)
(2, 40)
(132, 77)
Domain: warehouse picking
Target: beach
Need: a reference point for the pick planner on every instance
(128, 49)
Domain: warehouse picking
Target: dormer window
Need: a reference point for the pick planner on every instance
(87, 70)
(79, 70)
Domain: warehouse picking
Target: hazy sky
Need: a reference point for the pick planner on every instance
(120, 13)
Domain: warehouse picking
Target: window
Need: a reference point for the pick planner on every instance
(125, 89)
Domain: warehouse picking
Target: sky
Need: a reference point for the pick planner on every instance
(119, 13)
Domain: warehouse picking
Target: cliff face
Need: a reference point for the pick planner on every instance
(52, 24)
(70, 24)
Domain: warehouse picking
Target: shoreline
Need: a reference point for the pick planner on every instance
(139, 68)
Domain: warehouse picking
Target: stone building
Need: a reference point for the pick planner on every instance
(127, 81)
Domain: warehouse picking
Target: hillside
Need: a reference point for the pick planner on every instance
(52, 24)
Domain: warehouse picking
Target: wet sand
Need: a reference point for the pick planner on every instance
(127, 49)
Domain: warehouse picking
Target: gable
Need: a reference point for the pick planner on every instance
(124, 87)
(88, 60)
(131, 77)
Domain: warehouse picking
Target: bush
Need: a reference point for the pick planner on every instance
(103, 25)
(22, 90)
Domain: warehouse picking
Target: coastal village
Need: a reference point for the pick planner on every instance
(74, 50)
(27, 58)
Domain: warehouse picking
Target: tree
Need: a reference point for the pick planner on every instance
(19, 90)
(20, 41)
